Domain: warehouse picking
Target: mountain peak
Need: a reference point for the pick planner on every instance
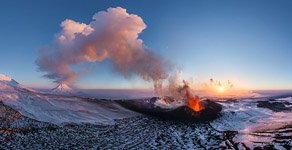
(62, 88)
(8, 80)
(5, 78)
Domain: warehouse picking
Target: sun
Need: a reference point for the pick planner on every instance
(221, 89)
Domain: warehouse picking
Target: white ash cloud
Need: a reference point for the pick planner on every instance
(112, 35)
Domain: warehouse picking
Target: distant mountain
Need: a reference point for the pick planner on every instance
(7, 83)
(60, 107)
(8, 80)
(63, 89)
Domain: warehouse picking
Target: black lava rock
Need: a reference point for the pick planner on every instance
(182, 113)
(274, 106)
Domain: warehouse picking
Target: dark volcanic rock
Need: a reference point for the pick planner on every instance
(140, 132)
(182, 113)
(274, 106)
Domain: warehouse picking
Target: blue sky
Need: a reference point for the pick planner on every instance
(248, 42)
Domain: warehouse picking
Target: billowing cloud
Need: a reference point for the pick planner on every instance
(112, 35)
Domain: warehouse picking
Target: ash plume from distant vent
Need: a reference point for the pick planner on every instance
(112, 35)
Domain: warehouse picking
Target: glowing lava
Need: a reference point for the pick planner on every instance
(195, 103)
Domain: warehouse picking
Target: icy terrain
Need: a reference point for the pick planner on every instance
(59, 109)
(31, 119)
(256, 124)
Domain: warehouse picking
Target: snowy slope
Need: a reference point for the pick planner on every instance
(59, 109)
(7, 82)
(255, 125)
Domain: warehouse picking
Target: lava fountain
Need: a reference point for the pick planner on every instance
(193, 102)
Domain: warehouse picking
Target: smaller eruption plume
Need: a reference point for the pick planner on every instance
(174, 85)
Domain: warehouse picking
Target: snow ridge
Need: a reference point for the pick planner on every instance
(8, 80)
(5, 77)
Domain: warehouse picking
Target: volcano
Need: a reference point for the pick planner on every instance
(63, 89)
(182, 113)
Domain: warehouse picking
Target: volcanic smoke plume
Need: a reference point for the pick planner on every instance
(112, 35)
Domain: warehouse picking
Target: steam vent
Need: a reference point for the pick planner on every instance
(182, 113)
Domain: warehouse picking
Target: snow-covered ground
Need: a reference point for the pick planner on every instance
(59, 109)
(245, 122)
(257, 126)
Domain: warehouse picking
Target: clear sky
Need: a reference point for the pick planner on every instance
(248, 42)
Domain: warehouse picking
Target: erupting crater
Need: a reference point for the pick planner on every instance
(195, 104)
(194, 110)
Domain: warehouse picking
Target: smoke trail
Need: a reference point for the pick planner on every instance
(112, 35)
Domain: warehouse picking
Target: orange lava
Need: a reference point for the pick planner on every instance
(195, 104)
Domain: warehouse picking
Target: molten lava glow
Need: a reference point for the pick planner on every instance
(195, 104)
